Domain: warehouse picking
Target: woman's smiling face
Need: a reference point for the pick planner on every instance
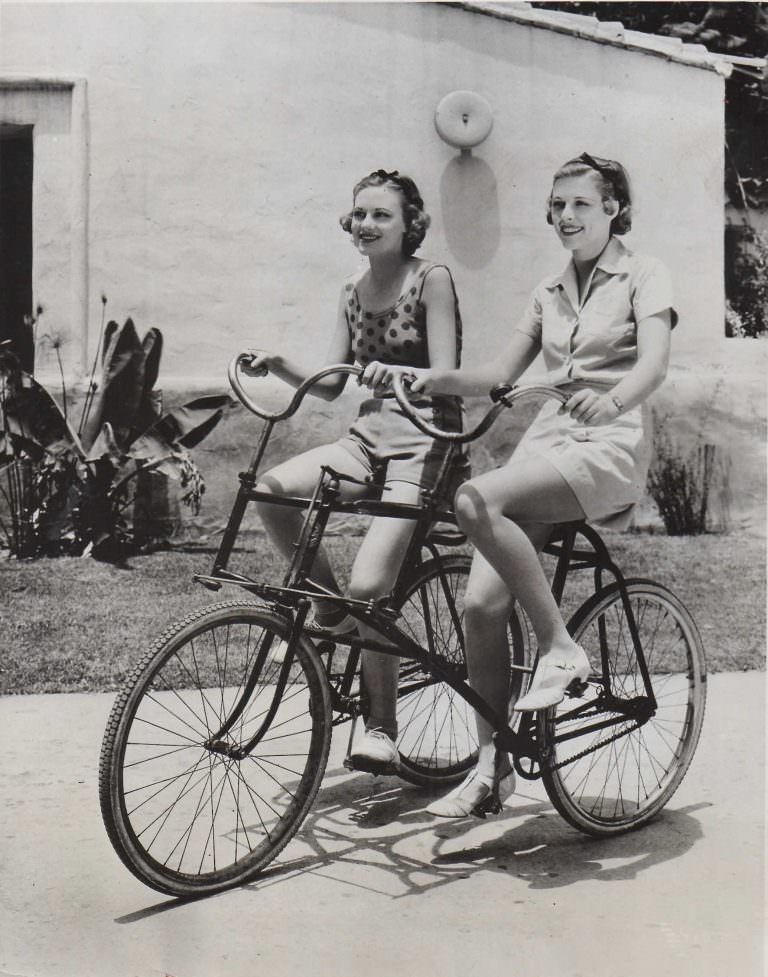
(377, 221)
(581, 218)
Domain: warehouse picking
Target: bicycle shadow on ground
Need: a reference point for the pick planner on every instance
(360, 822)
(374, 834)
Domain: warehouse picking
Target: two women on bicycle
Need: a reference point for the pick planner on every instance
(400, 310)
(603, 326)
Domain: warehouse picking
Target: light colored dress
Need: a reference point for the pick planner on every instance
(593, 343)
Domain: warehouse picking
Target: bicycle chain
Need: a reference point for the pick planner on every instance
(591, 749)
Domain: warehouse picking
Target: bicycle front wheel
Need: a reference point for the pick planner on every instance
(437, 735)
(214, 751)
(605, 780)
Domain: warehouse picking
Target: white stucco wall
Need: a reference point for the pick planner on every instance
(224, 141)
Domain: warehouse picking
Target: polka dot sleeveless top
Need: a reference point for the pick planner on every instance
(397, 335)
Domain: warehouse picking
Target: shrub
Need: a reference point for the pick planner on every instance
(747, 306)
(685, 479)
(680, 485)
(682, 479)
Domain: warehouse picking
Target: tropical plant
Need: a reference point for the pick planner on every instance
(73, 492)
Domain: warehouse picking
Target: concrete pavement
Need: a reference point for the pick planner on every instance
(374, 886)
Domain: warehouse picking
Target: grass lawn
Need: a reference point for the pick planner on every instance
(71, 624)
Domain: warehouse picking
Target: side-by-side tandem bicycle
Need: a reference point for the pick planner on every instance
(217, 744)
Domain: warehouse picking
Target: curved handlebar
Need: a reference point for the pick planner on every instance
(503, 396)
(301, 390)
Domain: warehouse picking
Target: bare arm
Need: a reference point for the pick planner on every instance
(653, 343)
(437, 296)
(293, 373)
(514, 360)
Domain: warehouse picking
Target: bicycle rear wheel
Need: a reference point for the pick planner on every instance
(437, 736)
(186, 812)
(604, 781)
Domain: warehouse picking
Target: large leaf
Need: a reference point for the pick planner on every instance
(189, 424)
(153, 451)
(105, 447)
(27, 410)
(121, 388)
(153, 349)
(110, 330)
(150, 406)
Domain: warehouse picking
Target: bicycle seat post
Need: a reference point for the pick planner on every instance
(313, 528)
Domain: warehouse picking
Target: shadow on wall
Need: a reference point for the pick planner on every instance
(470, 209)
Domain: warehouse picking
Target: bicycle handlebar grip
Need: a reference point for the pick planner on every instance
(301, 390)
(500, 391)
(242, 396)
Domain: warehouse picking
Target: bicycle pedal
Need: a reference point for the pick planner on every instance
(576, 689)
(489, 805)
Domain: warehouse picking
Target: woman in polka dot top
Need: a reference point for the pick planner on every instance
(401, 312)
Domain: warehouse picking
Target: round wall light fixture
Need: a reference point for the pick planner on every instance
(463, 119)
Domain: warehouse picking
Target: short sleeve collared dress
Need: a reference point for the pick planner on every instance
(592, 343)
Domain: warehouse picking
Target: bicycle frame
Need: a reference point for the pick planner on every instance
(215, 748)
(292, 598)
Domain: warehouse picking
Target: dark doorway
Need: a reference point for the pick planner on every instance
(16, 158)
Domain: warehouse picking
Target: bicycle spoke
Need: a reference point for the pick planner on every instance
(437, 733)
(198, 786)
(606, 780)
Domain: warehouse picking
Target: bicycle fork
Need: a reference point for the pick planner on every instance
(313, 528)
(219, 741)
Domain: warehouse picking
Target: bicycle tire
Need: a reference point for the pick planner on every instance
(184, 817)
(437, 737)
(619, 778)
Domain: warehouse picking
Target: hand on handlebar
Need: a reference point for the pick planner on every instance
(379, 376)
(421, 381)
(254, 363)
(591, 408)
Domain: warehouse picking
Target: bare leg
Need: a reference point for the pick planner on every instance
(508, 515)
(298, 476)
(493, 510)
(376, 565)
(373, 575)
(488, 604)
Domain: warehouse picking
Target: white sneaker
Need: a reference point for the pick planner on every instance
(375, 753)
